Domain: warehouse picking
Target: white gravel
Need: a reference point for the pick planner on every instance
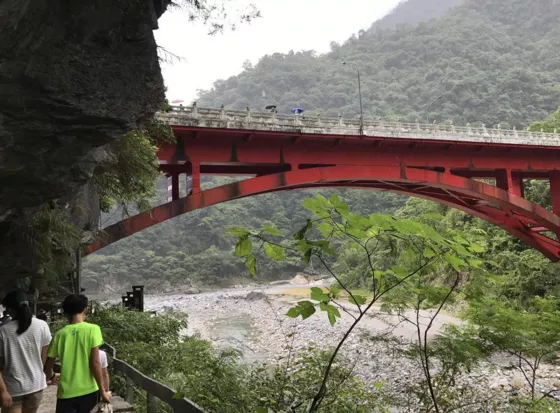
(259, 328)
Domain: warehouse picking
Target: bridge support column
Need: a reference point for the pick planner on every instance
(173, 187)
(555, 191)
(507, 181)
(195, 173)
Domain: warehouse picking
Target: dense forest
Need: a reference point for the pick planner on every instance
(489, 61)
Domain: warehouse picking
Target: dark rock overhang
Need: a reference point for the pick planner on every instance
(74, 76)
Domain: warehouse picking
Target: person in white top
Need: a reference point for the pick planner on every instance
(24, 342)
(104, 369)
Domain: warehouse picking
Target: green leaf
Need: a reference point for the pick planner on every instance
(271, 230)
(307, 309)
(475, 263)
(461, 240)
(293, 312)
(429, 253)
(251, 264)
(237, 231)
(334, 310)
(339, 205)
(399, 271)
(303, 246)
(333, 314)
(261, 410)
(357, 299)
(301, 233)
(476, 248)
(317, 294)
(307, 256)
(325, 228)
(335, 291)
(456, 262)
(244, 247)
(323, 245)
(274, 252)
(379, 273)
(179, 395)
(318, 205)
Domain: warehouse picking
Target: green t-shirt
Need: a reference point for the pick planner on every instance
(72, 345)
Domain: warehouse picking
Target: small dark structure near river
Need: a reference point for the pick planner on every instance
(134, 300)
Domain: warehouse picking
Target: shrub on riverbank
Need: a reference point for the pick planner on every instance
(217, 379)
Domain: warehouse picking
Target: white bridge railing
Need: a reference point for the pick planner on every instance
(315, 124)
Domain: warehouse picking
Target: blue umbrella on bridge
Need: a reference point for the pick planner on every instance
(297, 111)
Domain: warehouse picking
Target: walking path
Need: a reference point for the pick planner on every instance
(48, 404)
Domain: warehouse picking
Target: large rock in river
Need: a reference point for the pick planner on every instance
(299, 279)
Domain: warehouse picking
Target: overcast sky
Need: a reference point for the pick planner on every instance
(285, 25)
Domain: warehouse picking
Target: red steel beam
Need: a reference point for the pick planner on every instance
(445, 188)
(223, 146)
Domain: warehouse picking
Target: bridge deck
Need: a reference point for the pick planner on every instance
(315, 124)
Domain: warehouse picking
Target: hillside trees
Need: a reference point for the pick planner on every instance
(487, 67)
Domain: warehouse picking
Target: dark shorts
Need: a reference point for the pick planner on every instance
(82, 404)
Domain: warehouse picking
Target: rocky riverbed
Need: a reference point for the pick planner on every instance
(253, 320)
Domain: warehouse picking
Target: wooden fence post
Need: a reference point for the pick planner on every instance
(129, 390)
(151, 403)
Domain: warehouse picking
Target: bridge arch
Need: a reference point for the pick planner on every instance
(521, 218)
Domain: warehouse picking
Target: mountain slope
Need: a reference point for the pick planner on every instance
(491, 61)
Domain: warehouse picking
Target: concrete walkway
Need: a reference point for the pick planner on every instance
(48, 404)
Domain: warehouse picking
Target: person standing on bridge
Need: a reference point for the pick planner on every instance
(77, 346)
(24, 343)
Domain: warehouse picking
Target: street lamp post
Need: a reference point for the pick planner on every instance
(360, 93)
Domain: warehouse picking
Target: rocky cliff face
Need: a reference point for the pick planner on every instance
(74, 76)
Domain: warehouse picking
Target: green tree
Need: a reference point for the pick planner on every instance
(217, 380)
(530, 334)
(398, 256)
(550, 124)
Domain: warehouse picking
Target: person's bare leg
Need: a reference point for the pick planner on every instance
(14, 408)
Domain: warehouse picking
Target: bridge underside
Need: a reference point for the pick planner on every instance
(507, 209)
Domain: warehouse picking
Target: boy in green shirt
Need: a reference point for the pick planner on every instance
(77, 347)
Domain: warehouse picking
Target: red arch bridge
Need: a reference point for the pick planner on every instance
(443, 163)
